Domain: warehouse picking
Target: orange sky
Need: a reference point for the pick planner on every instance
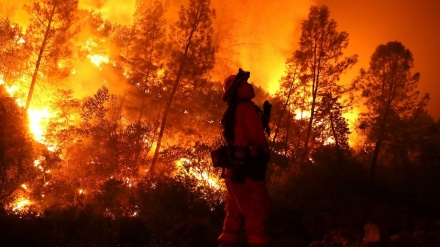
(259, 35)
(415, 23)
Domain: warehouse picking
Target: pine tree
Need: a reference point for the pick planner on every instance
(147, 54)
(192, 57)
(48, 35)
(320, 54)
(12, 55)
(389, 90)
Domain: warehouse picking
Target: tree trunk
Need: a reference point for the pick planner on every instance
(283, 111)
(338, 148)
(377, 147)
(309, 127)
(40, 56)
(374, 160)
(286, 143)
(169, 102)
(315, 87)
(165, 115)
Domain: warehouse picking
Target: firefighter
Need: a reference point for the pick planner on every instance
(247, 201)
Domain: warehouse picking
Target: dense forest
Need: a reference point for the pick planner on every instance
(106, 132)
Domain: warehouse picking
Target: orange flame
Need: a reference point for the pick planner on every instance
(21, 205)
(197, 173)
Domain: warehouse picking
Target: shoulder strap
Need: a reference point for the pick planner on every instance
(228, 119)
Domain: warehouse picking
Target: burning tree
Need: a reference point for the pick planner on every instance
(47, 37)
(192, 57)
(289, 125)
(319, 55)
(146, 56)
(333, 127)
(143, 63)
(310, 98)
(12, 54)
(16, 151)
(88, 146)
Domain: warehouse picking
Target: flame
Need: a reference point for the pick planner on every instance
(24, 186)
(267, 73)
(329, 141)
(161, 73)
(197, 173)
(299, 115)
(20, 40)
(21, 204)
(98, 59)
(38, 118)
(38, 123)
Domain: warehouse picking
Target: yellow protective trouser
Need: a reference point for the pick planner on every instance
(250, 202)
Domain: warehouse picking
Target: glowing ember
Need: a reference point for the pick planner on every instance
(161, 73)
(37, 162)
(20, 41)
(24, 186)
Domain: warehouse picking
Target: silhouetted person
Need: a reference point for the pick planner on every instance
(247, 200)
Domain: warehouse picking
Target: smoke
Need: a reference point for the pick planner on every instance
(255, 35)
(15, 11)
(258, 36)
(119, 11)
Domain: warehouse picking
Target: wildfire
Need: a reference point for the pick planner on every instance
(38, 118)
(329, 141)
(11, 90)
(38, 123)
(198, 173)
(98, 59)
(21, 204)
(299, 114)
